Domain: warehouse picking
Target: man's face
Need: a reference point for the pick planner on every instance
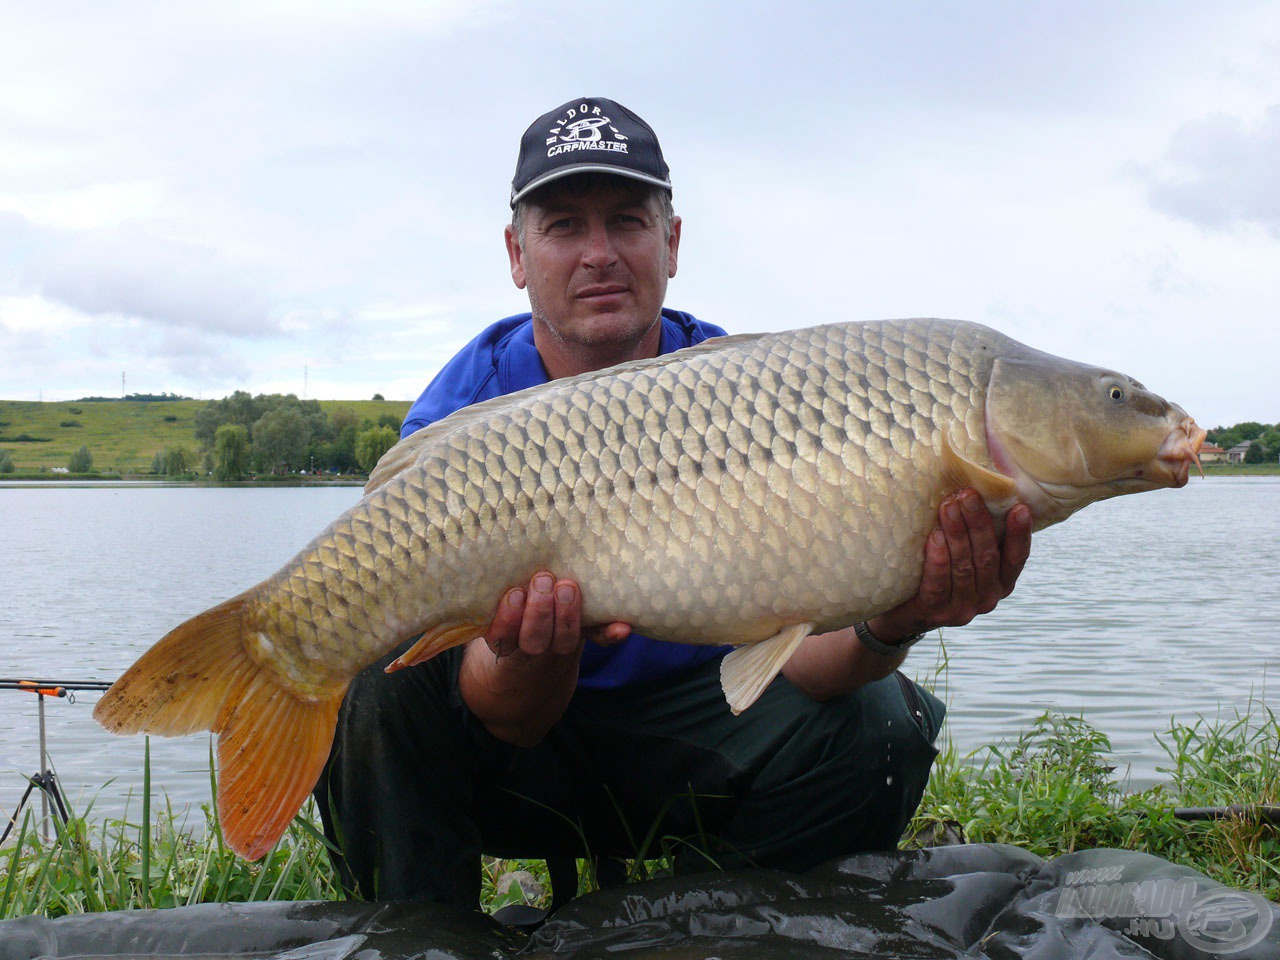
(595, 265)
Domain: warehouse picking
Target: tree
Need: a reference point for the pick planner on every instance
(1255, 453)
(6, 462)
(178, 462)
(81, 461)
(280, 440)
(371, 444)
(378, 396)
(1271, 442)
(239, 408)
(231, 452)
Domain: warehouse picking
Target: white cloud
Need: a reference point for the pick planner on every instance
(128, 272)
(219, 196)
(1222, 173)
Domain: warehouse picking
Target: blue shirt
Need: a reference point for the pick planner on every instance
(502, 360)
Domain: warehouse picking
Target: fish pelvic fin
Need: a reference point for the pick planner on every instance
(998, 491)
(272, 744)
(746, 672)
(438, 639)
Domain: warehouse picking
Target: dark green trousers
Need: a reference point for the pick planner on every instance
(416, 789)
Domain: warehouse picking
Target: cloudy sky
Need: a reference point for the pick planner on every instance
(290, 196)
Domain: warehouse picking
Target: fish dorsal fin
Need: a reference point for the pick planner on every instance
(746, 672)
(957, 472)
(405, 453)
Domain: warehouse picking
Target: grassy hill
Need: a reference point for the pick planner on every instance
(122, 435)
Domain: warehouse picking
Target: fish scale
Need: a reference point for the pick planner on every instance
(746, 491)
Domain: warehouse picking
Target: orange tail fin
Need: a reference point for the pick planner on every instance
(272, 745)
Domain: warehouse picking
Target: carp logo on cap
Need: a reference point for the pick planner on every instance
(580, 129)
(588, 135)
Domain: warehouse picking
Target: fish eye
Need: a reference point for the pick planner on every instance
(1116, 392)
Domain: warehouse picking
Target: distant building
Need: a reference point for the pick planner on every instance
(1212, 454)
(1237, 453)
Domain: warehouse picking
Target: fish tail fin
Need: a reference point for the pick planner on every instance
(272, 744)
(272, 747)
(179, 685)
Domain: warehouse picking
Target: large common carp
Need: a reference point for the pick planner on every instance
(749, 490)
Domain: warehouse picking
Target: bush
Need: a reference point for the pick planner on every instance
(69, 423)
(81, 461)
(6, 462)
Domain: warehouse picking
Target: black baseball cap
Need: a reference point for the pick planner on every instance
(589, 134)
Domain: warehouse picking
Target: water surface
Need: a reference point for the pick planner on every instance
(1131, 612)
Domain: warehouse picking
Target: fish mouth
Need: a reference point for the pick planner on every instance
(1180, 449)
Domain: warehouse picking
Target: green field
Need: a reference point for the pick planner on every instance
(122, 435)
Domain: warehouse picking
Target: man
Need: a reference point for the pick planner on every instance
(539, 740)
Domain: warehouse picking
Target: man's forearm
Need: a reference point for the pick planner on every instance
(517, 697)
(832, 664)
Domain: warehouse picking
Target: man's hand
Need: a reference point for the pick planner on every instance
(519, 677)
(546, 617)
(967, 569)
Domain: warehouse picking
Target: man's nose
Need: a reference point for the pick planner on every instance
(598, 250)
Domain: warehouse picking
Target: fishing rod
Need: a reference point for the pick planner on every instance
(45, 779)
(12, 683)
(1265, 812)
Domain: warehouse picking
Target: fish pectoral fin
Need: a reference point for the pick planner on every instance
(996, 489)
(438, 639)
(746, 672)
(272, 747)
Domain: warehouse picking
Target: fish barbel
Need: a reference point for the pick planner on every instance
(749, 491)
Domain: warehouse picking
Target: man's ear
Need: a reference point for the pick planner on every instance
(516, 255)
(673, 246)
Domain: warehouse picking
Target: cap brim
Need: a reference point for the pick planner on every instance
(608, 168)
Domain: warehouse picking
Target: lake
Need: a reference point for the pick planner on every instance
(1131, 612)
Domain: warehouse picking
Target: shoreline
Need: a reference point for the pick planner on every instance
(1211, 471)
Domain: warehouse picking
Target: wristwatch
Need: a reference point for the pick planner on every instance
(876, 645)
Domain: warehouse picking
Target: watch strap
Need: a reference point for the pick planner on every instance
(876, 645)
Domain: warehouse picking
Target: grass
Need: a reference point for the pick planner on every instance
(155, 861)
(1055, 790)
(122, 435)
(1241, 470)
(1052, 790)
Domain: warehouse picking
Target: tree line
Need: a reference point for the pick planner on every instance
(277, 434)
(1265, 447)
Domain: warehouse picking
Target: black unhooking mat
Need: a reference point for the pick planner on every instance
(971, 901)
